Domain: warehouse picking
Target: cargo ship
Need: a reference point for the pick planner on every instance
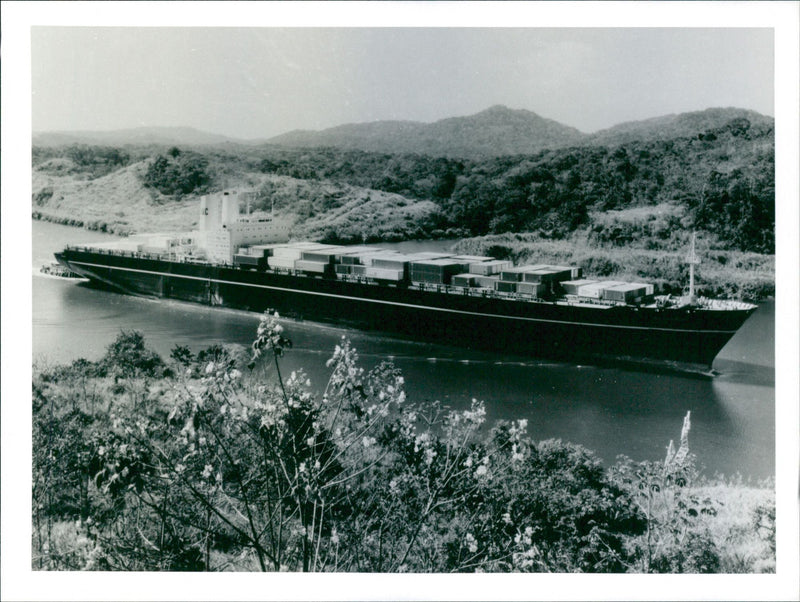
(244, 261)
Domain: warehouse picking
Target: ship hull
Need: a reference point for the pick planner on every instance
(489, 322)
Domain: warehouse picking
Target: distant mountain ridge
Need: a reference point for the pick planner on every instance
(681, 125)
(493, 132)
(496, 131)
(133, 136)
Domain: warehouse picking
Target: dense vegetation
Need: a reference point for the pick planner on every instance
(218, 461)
(178, 173)
(724, 177)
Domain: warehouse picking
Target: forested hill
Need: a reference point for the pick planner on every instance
(493, 132)
(679, 126)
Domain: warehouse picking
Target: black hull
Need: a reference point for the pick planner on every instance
(551, 330)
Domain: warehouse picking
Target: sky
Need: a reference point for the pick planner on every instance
(260, 82)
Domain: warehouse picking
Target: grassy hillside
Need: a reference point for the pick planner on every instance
(120, 202)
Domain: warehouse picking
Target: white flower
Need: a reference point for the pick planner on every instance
(429, 455)
(210, 368)
(207, 470)
(481, 470)
(472, 544)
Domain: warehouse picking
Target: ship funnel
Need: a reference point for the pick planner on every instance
(230, 207)
(209, 213)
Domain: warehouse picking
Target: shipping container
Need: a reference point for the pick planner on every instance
(315, 267)
(295, 250)
(515, 274)
(505, 286)
(384, 274)
(435, 271)
(626, 293)
(485, 281)
(489, 268)
(595, 290)
(571, 287)
(281, 263)
(537, 289)
(319, 256)
(249, 261)
(463, 280)
(352, 255)
(389, 261)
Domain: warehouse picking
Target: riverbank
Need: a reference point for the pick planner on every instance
(135, 428)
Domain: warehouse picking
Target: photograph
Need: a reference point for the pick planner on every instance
(371, 295)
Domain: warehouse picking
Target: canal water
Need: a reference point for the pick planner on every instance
(611, 411)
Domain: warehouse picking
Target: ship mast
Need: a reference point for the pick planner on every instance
(692, 259)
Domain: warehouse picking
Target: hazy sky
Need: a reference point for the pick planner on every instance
(260, 82)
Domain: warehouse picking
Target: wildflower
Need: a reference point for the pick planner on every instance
(207, 470)
(429, 455)
(210, 368)
(472, 543)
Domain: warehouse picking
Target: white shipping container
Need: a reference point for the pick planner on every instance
(317, 267)
(283, 263)
(485, 281)
(595, 290)
(287, 253)
(384, 274)
(571, 287)
(489, 268)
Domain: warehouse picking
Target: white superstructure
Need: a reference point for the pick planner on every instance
(222, 229)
